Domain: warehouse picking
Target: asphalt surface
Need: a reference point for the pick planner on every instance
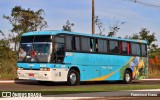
(34, 85)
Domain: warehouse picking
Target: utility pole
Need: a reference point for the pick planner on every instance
(93, 25)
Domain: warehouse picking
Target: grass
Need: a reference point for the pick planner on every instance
(6, 76)
(8, 72)
(90, 89)
(105, 88)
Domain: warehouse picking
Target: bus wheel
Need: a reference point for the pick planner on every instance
(127, 77)
(73, 78)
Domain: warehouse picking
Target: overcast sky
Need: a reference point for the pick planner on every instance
(57, 12)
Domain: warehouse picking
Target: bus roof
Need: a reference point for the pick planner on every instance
(56, 32)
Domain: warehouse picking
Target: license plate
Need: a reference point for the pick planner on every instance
(31, 74)
(32, 78)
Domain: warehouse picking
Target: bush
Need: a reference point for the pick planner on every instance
(154, 63)
(8, 59)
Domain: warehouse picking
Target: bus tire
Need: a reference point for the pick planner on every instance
(73, 78)
(127, 77)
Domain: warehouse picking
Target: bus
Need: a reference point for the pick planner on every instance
(71, 57)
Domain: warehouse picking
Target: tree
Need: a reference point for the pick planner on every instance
(144, 34)
(135, 36)
(99, 24)
(68, 26)
(23, 20)
(4, 41)
(115, 27)
(3, 35)
(153, 47)
(1, 31)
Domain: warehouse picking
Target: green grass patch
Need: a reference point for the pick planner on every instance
(6, 76)
(104, 88)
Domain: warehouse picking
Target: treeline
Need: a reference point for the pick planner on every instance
(21, 20)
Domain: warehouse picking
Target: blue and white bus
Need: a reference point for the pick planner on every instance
(61, 56)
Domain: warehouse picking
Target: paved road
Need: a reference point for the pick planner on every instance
(35, 86)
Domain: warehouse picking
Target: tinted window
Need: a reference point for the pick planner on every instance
(124, 47)
(102, 46)
(69, 42)
(43, 38)
(26, 39)
(77, 45)
(135, 49)
(59, 45)
(59, 39)
(59, 48)
(128, 48)
(59, 53)
(113, 46)
(144, 50)
(92, 44)
(85, 44)
(72, 43)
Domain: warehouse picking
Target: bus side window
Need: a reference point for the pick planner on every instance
(135, 48)
(91, 45)
(102, 46)
(72, 43)
(96, 45)
(85, 42)
(143, 50)
(128, 48)
(124, 48)
(69, 42)
(120, 48)
(77, 43)
(113, 46)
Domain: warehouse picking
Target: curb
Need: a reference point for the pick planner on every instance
(152, 79)
(145, 90)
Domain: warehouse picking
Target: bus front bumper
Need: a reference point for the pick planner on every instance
(54, 75)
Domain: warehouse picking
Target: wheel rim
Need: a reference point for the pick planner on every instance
(127, 77)
(73, 78)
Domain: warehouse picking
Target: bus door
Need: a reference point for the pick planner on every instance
(58, 49)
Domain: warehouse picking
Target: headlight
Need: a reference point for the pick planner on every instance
(20, 68)
(45, 69)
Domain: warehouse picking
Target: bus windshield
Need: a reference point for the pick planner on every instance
(35, 52)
